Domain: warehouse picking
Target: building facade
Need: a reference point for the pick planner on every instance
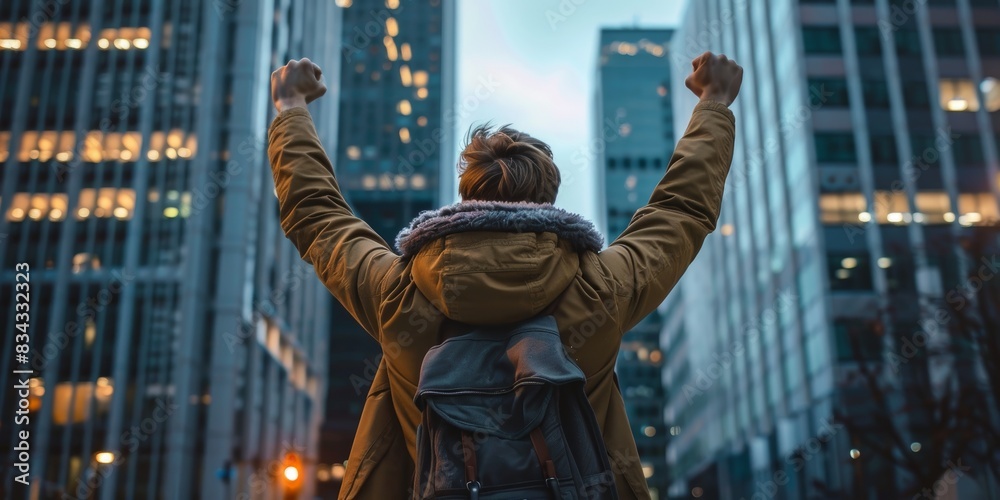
(177, 340)
(866, 150)
(635, 128)
(395, 158)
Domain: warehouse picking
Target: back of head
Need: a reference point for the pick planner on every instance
(507, 165)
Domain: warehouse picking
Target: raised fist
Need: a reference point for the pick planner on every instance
(715, 78)
(296, 84)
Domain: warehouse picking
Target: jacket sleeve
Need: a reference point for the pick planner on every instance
(349, 257)
(664, 236)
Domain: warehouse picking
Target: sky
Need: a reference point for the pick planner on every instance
(532, 63)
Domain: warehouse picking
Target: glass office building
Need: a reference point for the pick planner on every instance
(395, 158)
(635, 132)
(177, 338)
(866, 148)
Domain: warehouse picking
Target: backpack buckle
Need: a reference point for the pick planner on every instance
(553, 485)
(473, 487)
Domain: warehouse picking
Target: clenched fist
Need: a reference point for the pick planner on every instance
(296, 84)
(715, 78)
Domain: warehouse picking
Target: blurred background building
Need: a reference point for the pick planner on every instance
(866, 151)
(395, 158)
(635, 126)
(179, 341)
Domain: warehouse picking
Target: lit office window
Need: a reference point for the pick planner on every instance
(990, 88)
(977, 209)
(67, 36)
(892, 208)
(842, 208)
(62, 146)
(101, 202)
(934, 208)
(405, 76)
(420, 78)
(72, 401)
(960, 95)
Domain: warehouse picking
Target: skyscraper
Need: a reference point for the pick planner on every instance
(866, 148)
(176, 336)
(395, 158)
(635, 131)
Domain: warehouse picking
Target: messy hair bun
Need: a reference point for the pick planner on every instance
(507, 165)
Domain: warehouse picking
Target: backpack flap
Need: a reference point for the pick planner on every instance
(497, 362)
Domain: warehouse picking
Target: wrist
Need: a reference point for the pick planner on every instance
(719, 98)
(285, 103)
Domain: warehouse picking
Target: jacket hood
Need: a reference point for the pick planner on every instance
(487, 263)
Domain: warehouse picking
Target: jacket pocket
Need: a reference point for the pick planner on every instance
(377, 430)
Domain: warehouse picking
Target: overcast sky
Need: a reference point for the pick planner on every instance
(532, 63)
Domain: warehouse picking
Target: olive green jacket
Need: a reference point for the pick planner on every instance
(411, 303)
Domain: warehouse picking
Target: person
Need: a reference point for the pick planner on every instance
(502, 255)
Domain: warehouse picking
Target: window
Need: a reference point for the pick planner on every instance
(899, 272)
(849, 271)
(959, 95)
(66, 36)
(835, 147)
(833, 90)
(976, 209)
(841, 208)
(857, 339)
(101, 202)
(907, 42)
(876, 93)
(97, 146)
(916, 95)
(988, 40)
(821, 40)
(991, 92)
(892, 207)
(968, 150)
(868, 40)
(883, 148)
(934, 207)
(948, 42)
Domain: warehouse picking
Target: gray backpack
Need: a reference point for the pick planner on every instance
(505, 416)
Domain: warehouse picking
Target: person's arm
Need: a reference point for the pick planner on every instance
(349, 257)
(662, 239)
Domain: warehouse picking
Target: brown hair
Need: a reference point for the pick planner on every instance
(507, 165)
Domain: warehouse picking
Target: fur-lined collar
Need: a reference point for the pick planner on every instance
(519, 217)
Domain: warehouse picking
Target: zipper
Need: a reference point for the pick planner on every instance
(460, 392)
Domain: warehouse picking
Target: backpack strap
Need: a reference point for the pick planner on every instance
(469, 455)
(545, 460)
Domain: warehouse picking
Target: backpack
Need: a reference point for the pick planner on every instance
(505, 416)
